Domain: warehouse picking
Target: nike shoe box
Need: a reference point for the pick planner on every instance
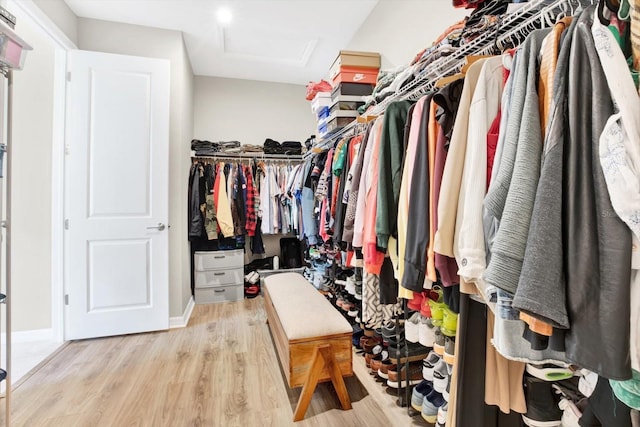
(356, 75)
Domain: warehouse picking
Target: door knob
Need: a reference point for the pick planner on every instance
(158, 227)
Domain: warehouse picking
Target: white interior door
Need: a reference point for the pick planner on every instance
(116, 242)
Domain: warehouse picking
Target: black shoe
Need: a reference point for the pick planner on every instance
(542, 403)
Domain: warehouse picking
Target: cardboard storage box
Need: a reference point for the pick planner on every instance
(352, 89)
(349, 58)
(345, 106)
(356, 75)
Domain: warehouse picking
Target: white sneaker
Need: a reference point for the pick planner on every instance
(570, 413)
(350, 286)
(426, 332)
(411, 328)
(587, 383)
(440, 376)
(442, 415)
(428, 364)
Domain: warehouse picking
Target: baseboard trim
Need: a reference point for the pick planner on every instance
(31, 336)
(182, 321)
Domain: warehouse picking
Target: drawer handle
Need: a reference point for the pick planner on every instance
(219, 257)
(219, 274)
(219, 291)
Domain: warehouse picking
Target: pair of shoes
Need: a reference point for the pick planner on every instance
(449, 350)
(428, 364)
(434, 295)
(368, 344)
(431, 405)
(441, 374)
(418, 394)
(449, 324)
(426, 332)
(350, 286)
(252, 277)
(411, 328)
(442, 415)
(384, 367)
(251, 291)
(405, 378)
(542, 403)
(407, 352)
(439, 341)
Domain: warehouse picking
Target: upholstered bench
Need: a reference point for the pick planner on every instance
(312, 339)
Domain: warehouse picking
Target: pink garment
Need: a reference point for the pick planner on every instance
(372, 258)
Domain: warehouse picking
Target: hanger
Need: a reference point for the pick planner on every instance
(446, 80)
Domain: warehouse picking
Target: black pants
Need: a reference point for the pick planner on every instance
(470, 407)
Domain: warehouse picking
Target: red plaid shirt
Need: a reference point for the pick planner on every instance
(252, 203)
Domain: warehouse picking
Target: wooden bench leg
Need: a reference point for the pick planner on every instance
(322, 357)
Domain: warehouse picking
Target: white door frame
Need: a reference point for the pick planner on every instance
(62, 45)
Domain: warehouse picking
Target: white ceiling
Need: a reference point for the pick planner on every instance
(291, 41)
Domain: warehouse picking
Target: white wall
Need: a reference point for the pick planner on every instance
(250, 111)
(178, 186)
(61, 15)
(31, 208)
(399, 29)
(136, 40)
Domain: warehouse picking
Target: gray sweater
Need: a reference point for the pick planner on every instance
(521, 156)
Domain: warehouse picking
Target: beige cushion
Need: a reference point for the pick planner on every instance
(303, 311)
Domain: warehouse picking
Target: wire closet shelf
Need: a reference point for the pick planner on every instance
(518, 24)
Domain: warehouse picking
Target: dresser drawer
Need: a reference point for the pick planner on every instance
(221, 294)
(214, 278)
(204, 261)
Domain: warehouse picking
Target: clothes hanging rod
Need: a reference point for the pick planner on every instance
(451, 64)
(249, 156)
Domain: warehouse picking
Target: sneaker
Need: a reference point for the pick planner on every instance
(449, 350)
(418, 394)
(449, 322)
(438, 344)
(426, 332)
(403, 379)
(411, 353)
(411, 328)
(430, 405)
(415, 303)
(570, 413)
(549, 372)
(350, 286)
(446, 392)
(428, 364)
(385, 367)
(442, 415)
(542, 403)
(437, 312)
(358, 295)
(440, 376)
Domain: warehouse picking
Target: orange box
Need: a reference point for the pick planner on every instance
(356, 75)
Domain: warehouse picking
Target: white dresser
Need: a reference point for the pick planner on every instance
(219, 276)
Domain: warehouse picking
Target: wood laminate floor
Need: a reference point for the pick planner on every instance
(221, 370)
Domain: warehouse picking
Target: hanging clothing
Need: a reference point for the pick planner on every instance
(507, 251)
(223, 207)
(417, 234)
(593, 245)
(469, 245)
(453, 169)
(389, 171)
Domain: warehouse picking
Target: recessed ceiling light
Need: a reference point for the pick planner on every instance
(224, 15)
